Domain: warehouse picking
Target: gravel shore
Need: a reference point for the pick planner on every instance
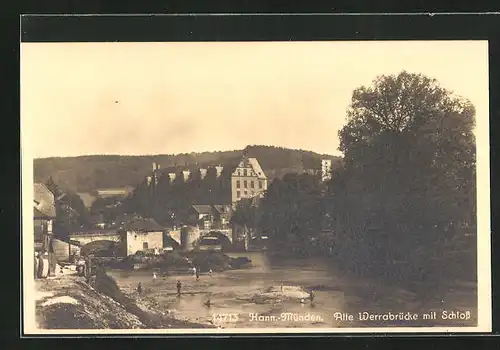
(69, 302)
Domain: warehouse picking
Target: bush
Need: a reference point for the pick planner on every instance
(207, 260)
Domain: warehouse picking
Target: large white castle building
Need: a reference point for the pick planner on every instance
(243, 179)
(248, 180)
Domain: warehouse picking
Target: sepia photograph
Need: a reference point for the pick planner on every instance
(255, 187)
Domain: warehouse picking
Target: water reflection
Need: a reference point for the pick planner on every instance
(235, 291)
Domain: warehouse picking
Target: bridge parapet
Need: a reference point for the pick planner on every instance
(85, 238)
(226, 232)
(190, 236)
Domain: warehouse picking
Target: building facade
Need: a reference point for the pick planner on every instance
(326, 169)
(44, 214)
(144, 241)
(142, 235)
(248, 180)
(209, 217)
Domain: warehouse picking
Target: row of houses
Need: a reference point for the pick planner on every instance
(134, 234)
(44, 214)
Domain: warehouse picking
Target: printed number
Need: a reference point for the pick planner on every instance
(225, 317)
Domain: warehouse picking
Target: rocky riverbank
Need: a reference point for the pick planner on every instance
(70, 302)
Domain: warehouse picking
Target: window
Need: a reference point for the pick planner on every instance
(246, 193)
(144, 245)
(260, 184)
(245, 184)
(237, 183)
(252, 184)
(246, 172)
(238, 194)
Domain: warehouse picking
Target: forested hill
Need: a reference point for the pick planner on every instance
(87, 173)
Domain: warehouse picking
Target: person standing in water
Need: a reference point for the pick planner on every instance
(139, 288)
(154, 276)
(179, 286)
(208, 302)
(210, 272)
(311, 296)
(197, 273)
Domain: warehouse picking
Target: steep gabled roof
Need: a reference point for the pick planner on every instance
(254, 164)
(38, 214)
(142, 225)
(43, 200)
(257, 168)
(203, 209)
(222, 209)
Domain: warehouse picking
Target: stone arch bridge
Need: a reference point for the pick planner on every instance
(196, 235)
(92, 236)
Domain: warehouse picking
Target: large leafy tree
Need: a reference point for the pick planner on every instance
(245, 213)
(169, 202)
(292, 211)
(409, 174)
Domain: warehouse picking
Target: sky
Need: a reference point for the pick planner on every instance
(168, 98)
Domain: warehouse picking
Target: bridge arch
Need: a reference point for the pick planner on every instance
(103, 247)
(87, 237)
(222, 238)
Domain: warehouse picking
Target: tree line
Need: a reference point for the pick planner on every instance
(169, 202)
(88, 173)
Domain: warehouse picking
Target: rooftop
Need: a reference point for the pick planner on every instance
(92, 231)
(43, 200)
(38, 214)
(203, 208)
(257, 168)
(254, 164)
(144, 225)
(222, 208)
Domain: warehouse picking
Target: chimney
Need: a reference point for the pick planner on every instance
(203, 173)
(219, 168)
(171, 176)
(186, 173)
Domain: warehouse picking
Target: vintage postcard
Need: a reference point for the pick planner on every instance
(255, 187)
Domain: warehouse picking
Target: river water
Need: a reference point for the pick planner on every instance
(338, 299)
